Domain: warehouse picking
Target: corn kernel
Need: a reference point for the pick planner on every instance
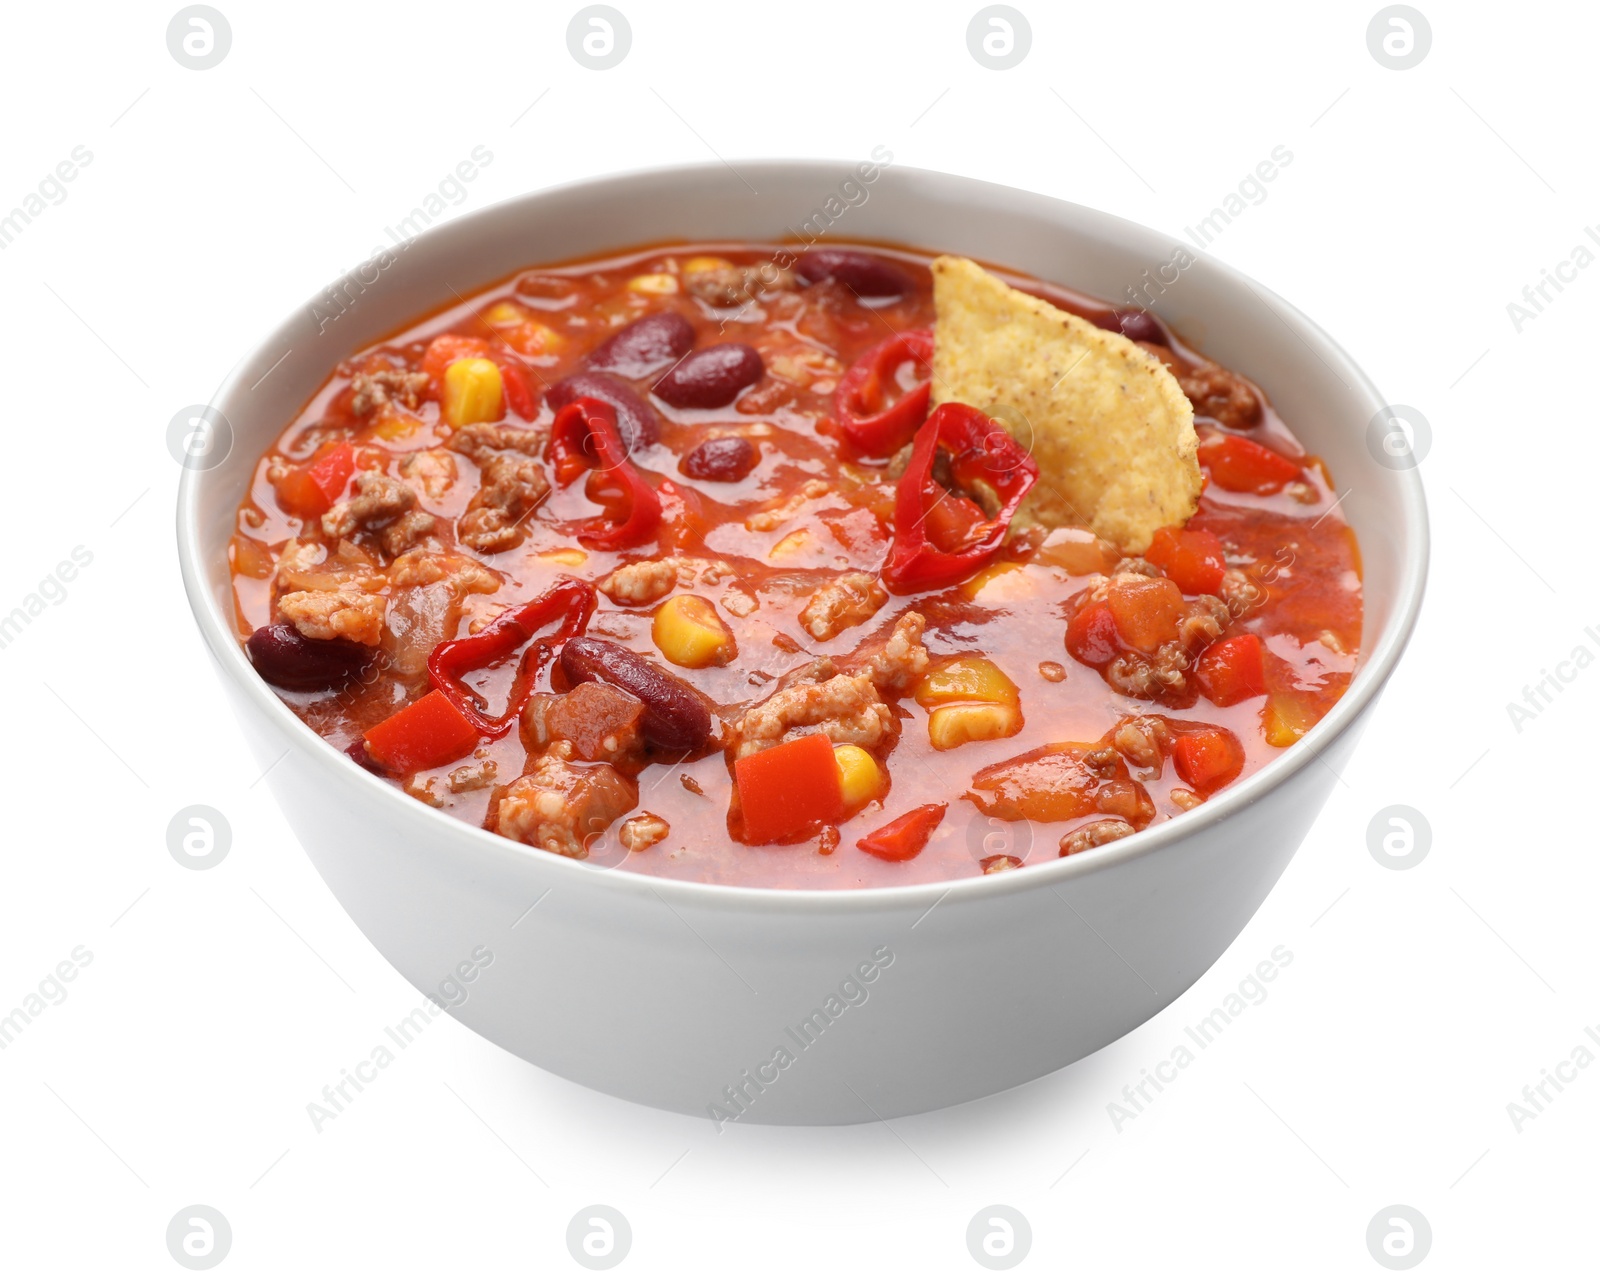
(689, 633)
(505, 315)
(966, 679)
(860, 777)
(657, 285)
(952, 725)
(472, 392)
(568, 558)
(1008, 580)
(700, 265)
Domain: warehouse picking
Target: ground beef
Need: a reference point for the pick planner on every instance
(429, 567)
(847, 707)
(372, 390)
(727, 286)
(511, 488)
(563, 807)
(641, 583)
(901, 659)
(1240, 593)
(477, 774)
(431, 472)
(407, 531)
(480, 438)
(376, 501)
(1142, 740)
(845, 602)
(328, 614)
(1221, 395)
(641, 832)
(1095, 834)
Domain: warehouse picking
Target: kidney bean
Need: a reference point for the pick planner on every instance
(288, 659)
(676, 716)
(720, 460)
(637, 422)
(712, 377)
(862, 273)
(645, 346)
(1140, 325)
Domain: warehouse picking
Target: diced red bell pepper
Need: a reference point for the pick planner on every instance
(310, 490)
(980, 451)
(1193, 559)
(1208, 758)
(1092, 635)
(790, 790)
(1232, 670)
(427, 733)
(1237, 464)
(870, 418)
(570, 600)
(906, 836)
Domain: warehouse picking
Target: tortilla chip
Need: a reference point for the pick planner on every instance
(1108, 424)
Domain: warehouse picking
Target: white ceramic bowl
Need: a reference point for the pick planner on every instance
(670, 992)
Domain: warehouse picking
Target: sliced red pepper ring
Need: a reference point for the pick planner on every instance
(980, 451)
(570, 600)
(583, 437)
(870, 424)
(905, 836)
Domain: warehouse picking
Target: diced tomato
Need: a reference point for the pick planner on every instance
(1092, 635)
(1147, 610)
(1209, 758)
(1193, 559)
(310, 490)
(789, 790)
(906, 836)
(1232, 670)
(1238, 464)
(427, 733)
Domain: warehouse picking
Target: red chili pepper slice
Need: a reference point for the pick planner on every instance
(935, 547)
(569, 599)
(869, 426)
(585, 437)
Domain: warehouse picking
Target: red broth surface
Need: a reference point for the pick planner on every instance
(758, 545)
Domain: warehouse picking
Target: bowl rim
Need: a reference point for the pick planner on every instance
(1377, 664)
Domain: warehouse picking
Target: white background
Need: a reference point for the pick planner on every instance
(219, 1003)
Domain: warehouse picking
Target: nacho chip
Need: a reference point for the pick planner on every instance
(1107, 422)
